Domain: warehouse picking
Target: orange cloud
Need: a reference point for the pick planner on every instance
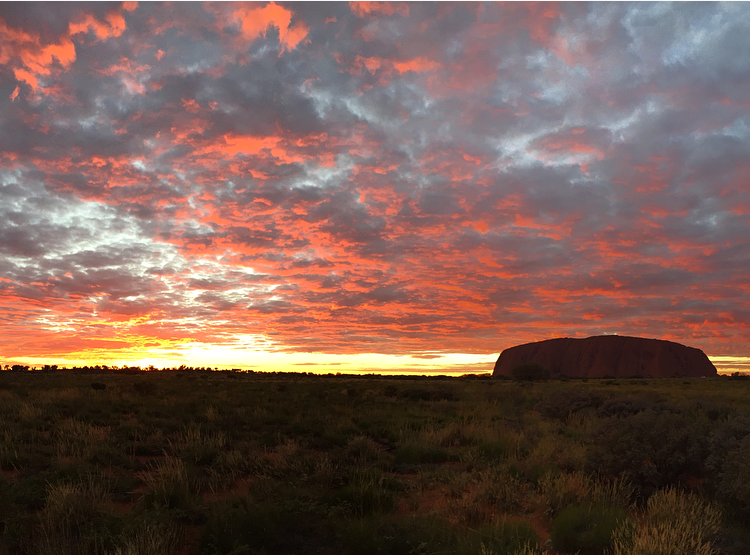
(418, 65)
(112, 26)
(255, 21)
(33, 60)
(362, 9)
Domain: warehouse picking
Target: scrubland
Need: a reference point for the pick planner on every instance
(214, 463)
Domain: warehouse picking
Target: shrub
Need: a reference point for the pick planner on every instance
(734, 482)
(650, 450)
(586, 530)
(562, 403)
(243, 525)
(492, 451)
(729, 466)
(622, 407)
(420, 454)
(529, 372)
(145, 388)
(390, 391)
(412, 535)
(438, 394)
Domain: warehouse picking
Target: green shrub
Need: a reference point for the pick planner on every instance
(390, 391)
(651, 450)
(411, 535)
(560, 404)
(622, 407)
(243, 525)
(586, 530)
(492, 451)
(729, 465)
(437, 394)
(420, 454)
(734, 484)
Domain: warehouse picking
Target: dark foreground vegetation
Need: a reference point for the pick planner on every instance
(199, 462)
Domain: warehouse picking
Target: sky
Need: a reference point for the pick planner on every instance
(370, 186)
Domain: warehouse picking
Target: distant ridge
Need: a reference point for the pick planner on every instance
(608, 355)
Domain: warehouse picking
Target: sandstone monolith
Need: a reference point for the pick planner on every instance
(608, 355)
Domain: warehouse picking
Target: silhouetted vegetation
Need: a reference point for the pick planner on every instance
(205, 462)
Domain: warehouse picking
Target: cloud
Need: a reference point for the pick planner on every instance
(372, 177)
(254, 22)
(362, 9)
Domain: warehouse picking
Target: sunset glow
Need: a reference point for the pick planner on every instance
(370, 186)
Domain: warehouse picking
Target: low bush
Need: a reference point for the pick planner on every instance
(420, 454)
(437, 394)
(412, 535)
(586, 530)
(243, 525)
(733, 487)
(650, 450)
(560, 404)
(729, 467)
(622, 407)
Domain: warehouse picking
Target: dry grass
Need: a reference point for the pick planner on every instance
(675, 524)
(150, 539)
(562, 490)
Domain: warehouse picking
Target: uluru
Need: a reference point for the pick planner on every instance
(608, 355)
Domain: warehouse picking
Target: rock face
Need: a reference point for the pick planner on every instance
(608, 355)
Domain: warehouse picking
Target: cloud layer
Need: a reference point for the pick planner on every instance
(372, 177)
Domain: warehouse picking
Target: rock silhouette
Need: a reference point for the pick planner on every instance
(608, 355)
